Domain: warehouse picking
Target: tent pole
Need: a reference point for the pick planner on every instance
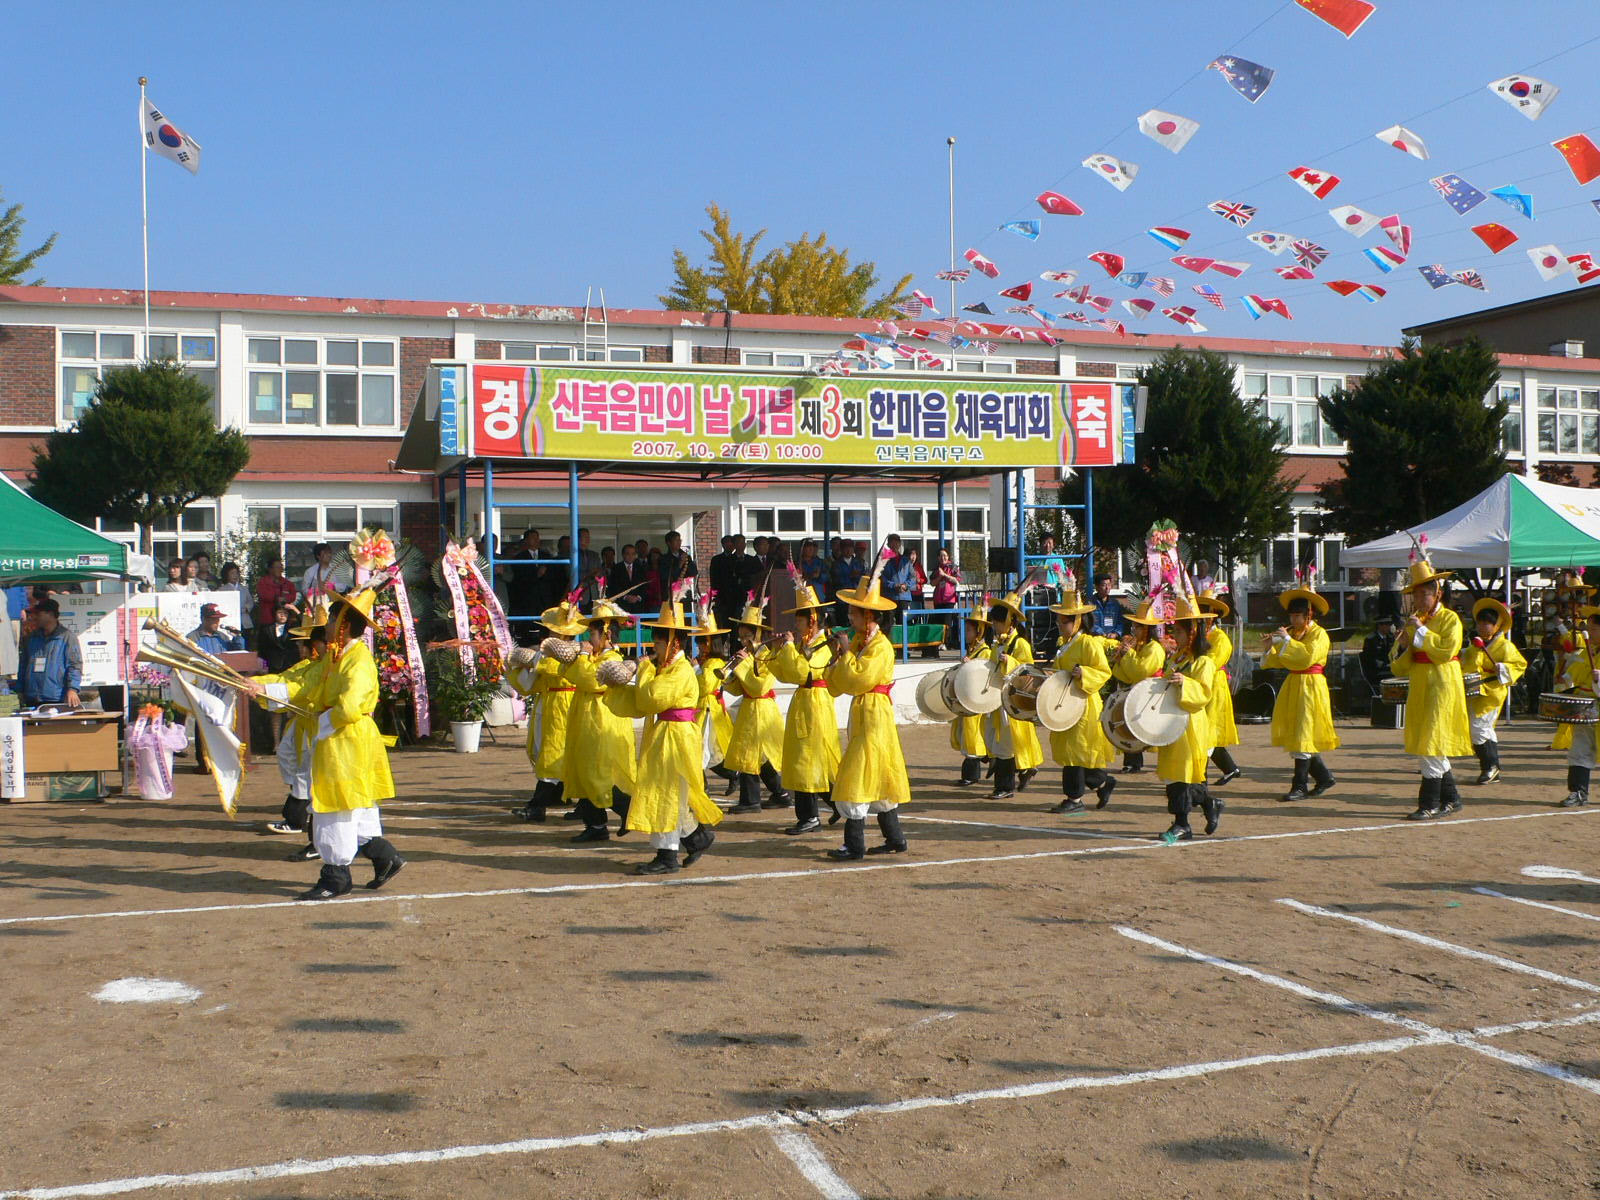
(1506, 710)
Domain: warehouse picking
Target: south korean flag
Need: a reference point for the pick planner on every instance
(167, 140)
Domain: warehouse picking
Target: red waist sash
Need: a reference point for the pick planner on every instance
(760, 695)
(1419, 656)
(561, 689)
(883, 689)
(1313, 669)
(676, 714)
(821, 683)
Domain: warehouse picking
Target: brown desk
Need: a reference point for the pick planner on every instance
(76, 743)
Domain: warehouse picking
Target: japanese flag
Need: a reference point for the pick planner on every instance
(1357, 222)
(1171, 130)
(1402, 138)
(1549, 262)
(1114, 171)
(167, 140)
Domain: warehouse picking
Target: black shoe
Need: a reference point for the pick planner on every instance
(1023, 777)
(304, 854)
(664, 863)
(1212, 807)
(696, 844)
(1425, 814)
(594, 833)
(835, 817)
(1229, 777)
(809, 825)
(844, 854)
(733, 786)
(1575, 800)
(1068, 806)
(1451, 804)
(1178, 833)
(1132, 770)
(965, 782)
(1296, 793)
(572, 814)
(1001, 795)
(745, 808)
(385, 871)
(888, 848)
(1318, 788)
(321, 892)
(1104, 792)
(1488, 776)
(781, 800)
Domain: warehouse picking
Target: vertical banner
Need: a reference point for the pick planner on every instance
(12, 765)
(501, 427)
(1090, 425)
(452, 388)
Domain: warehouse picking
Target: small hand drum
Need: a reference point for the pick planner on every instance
(561, 649)
(1117, 731)
(1020, 693)
(522, 656)
(1568, 708)
(1062, 702)
(1152, 712)
(930, 697)
(1473, 682)
(974, 688)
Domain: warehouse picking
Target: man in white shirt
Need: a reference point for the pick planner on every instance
(319, 581)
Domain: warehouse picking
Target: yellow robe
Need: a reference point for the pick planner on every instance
(602, 740)
(966, 737)
(1004, 737)
(1487, 661)
(1436, 706)
(549, 699)
(1578, 639)
(350, 767)
(1220, 652)
(757, 735)
(1184, 761)
(811, 731)
(1302, 715)
(1085, 744)
(302, 679)
(669, 795)
(873, 769)
(1581, 670)
(713, 709)
(1139, 663)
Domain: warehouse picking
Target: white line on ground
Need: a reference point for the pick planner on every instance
(1430, 1033)
(1422, 939)
(803, 1152)
(807, 873)
(1559, 873)
(1077, 833)
(772, 1120)
(1556, 908)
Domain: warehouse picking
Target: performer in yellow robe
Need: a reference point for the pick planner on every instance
(293, 686)
(600, 774)
(1581, 677)
(966, 733)
(1181, 765)
(755, 746)
(1427, 651)
(1219, 649)
(1568, 638)
(669, 798)
(716, 727)
(549, 699)
(872, 773)
(1014, 745)
(1302, 715)
(1491, 655)
(1082, 752)
(811, 731)
(349, 764)
(1137, 656)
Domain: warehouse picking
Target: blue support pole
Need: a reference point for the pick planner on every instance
(1022, 526)
(488, 514)
(1088, 530)
(572, 525)
(461, 502)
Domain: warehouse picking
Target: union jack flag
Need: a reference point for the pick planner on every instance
(1228, 210)
(960, 276)
(1309, 254)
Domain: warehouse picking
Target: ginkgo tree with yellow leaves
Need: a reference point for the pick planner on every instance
(806, 276)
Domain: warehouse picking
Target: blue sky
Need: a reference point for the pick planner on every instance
(524, 151)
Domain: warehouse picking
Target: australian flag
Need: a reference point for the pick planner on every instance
(1458, 193)
(1249, 79)
(1437, 277)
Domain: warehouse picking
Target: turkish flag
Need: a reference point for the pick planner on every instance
(1114, 264)
(1496, 237)
(1191, 263)
(1055, 202)
(1020, 292)
(1582, 156)
(1346, 16)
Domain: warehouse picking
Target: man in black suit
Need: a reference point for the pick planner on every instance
(726, 578)
(631, 573)
(676, 564)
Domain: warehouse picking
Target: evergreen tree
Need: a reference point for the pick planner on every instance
(14, 263)
(806, 276)
(1207, 460)
(146, 447)
(1421, 438)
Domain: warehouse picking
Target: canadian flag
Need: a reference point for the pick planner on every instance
(1318, 183)
(1583, 266)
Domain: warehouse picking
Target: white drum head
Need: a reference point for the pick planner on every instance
(1062, 703)
(930, 703)
(1152, 712)
(975, 688)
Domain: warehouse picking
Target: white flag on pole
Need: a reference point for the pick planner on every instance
(167, 140)
(213, 721)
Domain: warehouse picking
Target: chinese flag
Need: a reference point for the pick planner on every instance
(1344, 287)
(1496, 237)
(1346, 16)
(1581, 155)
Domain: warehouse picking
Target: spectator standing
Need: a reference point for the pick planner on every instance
(677, 564)
(212, 636)
(631, 573)
(232, 582)
(178, 577)
(1109, 619)
(812, 569)
(590, 566)
(1201, 574)
(946, 591)
(273, 589)
(51, 669)
(726, 579)
(899, 577)
(319, 581)
(274, 643)
(848, 568)
(204, 580)
(10, 629)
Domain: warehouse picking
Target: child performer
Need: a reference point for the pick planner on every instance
(1427, 651)
(1137, 656)
(966, 733)
(1082, 752)
(1501, 664)
(1181, 765)
(1224, 731)
(1014, 744)
(1302, 715)
(669, 798)
(549, 698)
(756, 742)
(715, 725)
(154, 740)
(600, 775)
(811, 731)
(294, 686)
(872, 773)
(1585, 739)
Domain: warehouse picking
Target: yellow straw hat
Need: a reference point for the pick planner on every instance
(604, 610)
(1145, 614)
(1420, 572)
(1502, 614)
(866, 595)
(1212, 603)
(562, 620)
(671, 618)
(805, 600)
(1072, 605)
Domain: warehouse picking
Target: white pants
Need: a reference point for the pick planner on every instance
(1299, 757)
(294, 764)
(857, 812)
(1483, 728)
(687, 822)
(1582, 752)
(338, 835)
(1433, 766)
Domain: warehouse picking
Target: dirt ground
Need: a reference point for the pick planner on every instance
(1025, 1005)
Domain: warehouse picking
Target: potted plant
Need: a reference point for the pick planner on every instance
(461, 700)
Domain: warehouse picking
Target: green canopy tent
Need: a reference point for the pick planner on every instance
(39, 544)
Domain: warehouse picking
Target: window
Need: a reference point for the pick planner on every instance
(182, 536)
(85, 353)
(329, 382)
(1290, 402)
(569, 352)
(792, 520)
(1511, 425)
(910, 520)
(1569, 420)
(986, 366)
(1275, 563)
(301, 526)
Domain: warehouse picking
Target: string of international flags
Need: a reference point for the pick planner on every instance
(894, 341)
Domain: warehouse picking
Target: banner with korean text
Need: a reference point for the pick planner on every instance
(556, 412)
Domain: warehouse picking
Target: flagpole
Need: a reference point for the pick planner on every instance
(950, 144)
(144, 214)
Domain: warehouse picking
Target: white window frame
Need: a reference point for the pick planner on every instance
(322, 368)
(570, 352)
(203, 368)
(308, 538)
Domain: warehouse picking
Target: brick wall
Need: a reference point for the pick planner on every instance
(420, 523)
(484, 348)
(27, 375)
(658, 354)
(1036, 366)
(1096, 370)
(717, 356)
(707, 541)
(415, 355)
